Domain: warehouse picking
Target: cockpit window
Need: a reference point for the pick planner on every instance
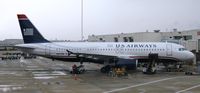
(182, 49)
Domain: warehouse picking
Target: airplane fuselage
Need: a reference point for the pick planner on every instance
(136, 50)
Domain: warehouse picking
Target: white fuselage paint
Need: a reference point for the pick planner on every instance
(136, 50)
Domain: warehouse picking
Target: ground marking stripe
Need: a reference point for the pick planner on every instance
(120, 89)
(188, 89)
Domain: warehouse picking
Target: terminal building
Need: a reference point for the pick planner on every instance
(188, 38)
(7, 51)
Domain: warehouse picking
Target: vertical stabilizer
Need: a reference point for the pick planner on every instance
(29, 32)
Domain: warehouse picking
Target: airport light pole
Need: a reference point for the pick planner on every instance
(82, 37)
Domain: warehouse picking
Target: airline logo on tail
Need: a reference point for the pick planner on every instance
(28, 31)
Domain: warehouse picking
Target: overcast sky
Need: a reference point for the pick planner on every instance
(60, 19)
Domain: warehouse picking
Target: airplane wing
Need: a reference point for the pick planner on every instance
(87, 55)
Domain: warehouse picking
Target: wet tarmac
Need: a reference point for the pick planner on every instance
(43, 75)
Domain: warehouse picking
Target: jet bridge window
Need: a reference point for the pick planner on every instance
(177, 37)
(182, 49)
(187, 37)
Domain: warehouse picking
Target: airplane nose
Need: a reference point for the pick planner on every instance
(190, 56)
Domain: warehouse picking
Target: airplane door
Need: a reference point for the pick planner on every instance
(169, 50)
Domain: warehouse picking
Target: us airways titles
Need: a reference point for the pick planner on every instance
(136, 45)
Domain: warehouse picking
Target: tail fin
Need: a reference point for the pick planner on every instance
(29, 32)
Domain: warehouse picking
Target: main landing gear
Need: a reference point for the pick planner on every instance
(109, 64)
(106, 69)
(150, 68)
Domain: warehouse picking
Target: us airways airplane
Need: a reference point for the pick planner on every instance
(35, 43)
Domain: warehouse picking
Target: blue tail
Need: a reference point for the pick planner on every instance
(29, 32)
